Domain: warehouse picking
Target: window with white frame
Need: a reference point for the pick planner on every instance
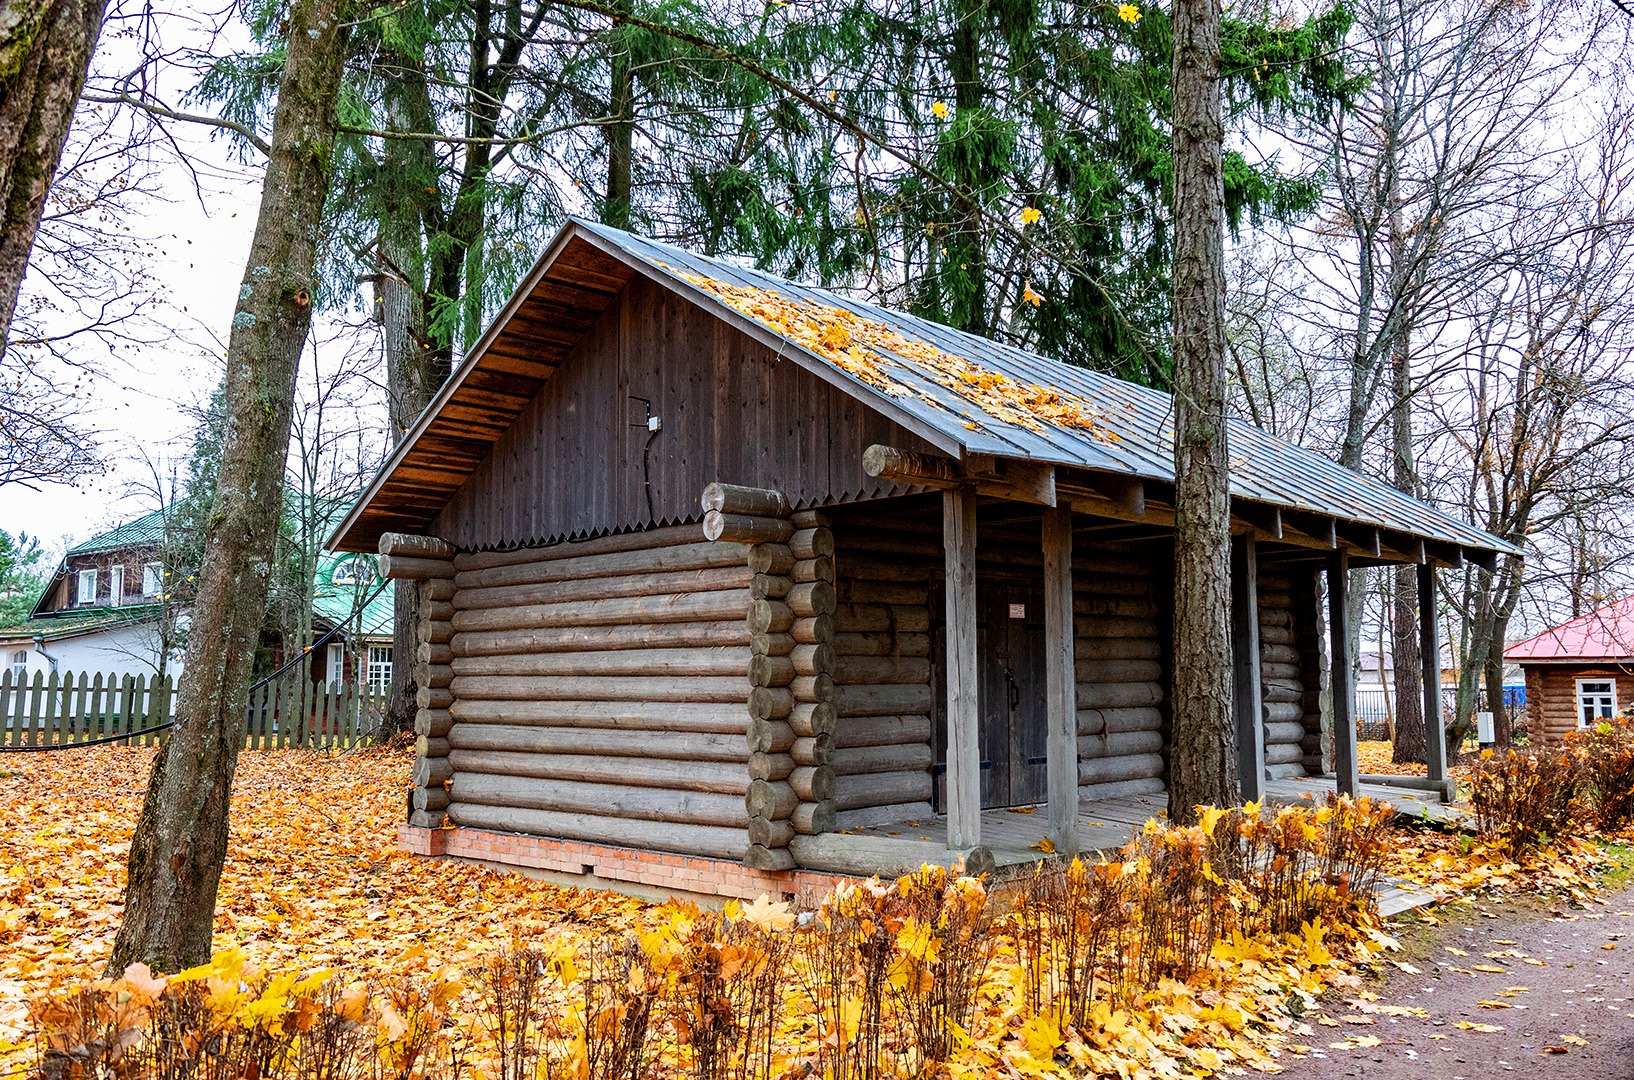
(334, 668)
(379, 672)
(153, 578)
(19, 665)
(87, 589)
(358, 571)
(1596, 700)
(116, 585)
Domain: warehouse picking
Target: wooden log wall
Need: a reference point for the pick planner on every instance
(602, 691)
(1122, 721)
(1315, 743)
(882, 740)
(1282, 675)
(428, 562)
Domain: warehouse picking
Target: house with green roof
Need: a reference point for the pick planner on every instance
(111, 607)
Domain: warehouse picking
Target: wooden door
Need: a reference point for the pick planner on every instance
(1010, 640)
(1013, 732)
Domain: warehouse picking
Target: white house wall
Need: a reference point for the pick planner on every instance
(122, 650)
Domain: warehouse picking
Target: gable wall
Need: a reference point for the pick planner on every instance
(732, 411)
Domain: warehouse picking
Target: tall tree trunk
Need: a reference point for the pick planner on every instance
(1203, 765)
(416, 365)
(965, 264)
(1502, 733)
(45, 52)
(180, 843)
(621, 131)
(1404, 646)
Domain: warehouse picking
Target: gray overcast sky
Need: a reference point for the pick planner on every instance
(140, 400)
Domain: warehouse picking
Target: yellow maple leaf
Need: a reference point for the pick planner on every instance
(1046, 845)
(1488, 1029)
(768, 914)
(1030, 214)
(940, 110)
(1129, 13)
(1575, 1040)
(1366, 1040)
(1028, 296)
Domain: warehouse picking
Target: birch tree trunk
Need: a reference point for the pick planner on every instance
(45, 51)
(1203, 764)
(180, 842)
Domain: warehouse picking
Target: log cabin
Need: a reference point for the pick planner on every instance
(728, 580)
(1579, 672)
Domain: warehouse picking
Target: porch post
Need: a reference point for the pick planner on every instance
(1061, 681)
(1247, 693)
(1344, 698)
(1435, 719)
(964, 789)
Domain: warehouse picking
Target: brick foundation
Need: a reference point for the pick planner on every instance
(606, 867)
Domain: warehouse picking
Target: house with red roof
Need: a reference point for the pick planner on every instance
(1579, 671)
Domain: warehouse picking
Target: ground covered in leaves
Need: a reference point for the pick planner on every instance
(313, 881)
(312, 877)
(1493, 985)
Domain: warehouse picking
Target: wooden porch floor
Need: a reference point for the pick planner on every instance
(1107, 824)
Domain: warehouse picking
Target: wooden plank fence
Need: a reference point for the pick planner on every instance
(63, 708)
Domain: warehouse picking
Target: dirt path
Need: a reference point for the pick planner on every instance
(1578, 999)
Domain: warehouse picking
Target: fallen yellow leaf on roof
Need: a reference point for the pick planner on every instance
(1575, 1040)
(1491, 969)
(1487, 1029)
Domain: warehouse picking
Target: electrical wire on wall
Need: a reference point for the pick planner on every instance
(654, 425)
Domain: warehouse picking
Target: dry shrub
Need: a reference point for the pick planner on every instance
(1308, 866)
(228, 1022)
(892, 975)
(1524, 799)
(1605, 754)
(1072, 925)
(613, 1009)
(943, 952)
(893, 970)
(1105, 934)
(731, 970)
(517, 1023)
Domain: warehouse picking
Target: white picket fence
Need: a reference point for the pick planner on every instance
(291, 711)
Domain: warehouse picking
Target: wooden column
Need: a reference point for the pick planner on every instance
(1060, 681)
(964, 787)
(1247, 694)
(1345, 766)
(1435, 719)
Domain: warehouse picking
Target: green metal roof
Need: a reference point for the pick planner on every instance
(340, 602)
(79, 621)
(145, 531)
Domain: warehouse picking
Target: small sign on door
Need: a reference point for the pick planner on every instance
(1018, 611)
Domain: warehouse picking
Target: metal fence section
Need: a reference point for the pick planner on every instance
(1373, 711)
(63, 709)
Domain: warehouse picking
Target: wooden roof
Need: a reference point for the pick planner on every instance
(1131, 435)
(564, 294)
